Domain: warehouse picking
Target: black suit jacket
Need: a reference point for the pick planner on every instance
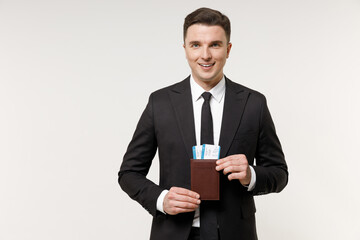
(167, 124)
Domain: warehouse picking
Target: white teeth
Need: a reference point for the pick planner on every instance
(207, 65)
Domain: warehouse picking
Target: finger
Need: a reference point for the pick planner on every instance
(173, 210)
(182, 204)
(225, 159)
(229, 163)
(185, 192)
(177, 210)
(237, 175)
(231, 158)
(236, 168)
(173, 206)
(183, 198)
(185, 205)
(233, 169)
(223, 164)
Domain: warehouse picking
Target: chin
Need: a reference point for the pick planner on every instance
(206, 79)
(209, 78)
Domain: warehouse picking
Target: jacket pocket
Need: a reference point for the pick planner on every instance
(248, 208)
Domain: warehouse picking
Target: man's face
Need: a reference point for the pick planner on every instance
(206, 50)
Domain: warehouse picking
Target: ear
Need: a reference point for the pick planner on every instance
(184, 46)
(228, 49)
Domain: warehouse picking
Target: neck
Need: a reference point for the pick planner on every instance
(208, 85)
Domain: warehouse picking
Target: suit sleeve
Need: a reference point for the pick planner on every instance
(271, 169)
(137, 161)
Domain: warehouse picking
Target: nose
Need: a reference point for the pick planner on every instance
(206, 54)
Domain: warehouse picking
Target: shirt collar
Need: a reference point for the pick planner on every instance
(217, 92)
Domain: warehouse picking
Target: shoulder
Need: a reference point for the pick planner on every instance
(178, 87)
(253, 94)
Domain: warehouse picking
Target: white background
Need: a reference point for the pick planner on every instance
(75, 76)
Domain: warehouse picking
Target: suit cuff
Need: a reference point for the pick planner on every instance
(252, 180)
(160, 201)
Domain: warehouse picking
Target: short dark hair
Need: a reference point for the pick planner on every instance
(209, 17)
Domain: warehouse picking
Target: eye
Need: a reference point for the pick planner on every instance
(215, 45)
(195, 45)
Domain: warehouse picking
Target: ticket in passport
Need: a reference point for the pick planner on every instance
(206, 151)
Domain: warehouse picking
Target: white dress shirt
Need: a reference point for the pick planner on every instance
(217, 106)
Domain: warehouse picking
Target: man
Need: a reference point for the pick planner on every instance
(173, 122)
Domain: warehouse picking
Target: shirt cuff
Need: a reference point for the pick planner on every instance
(253, 179)
(160, 201)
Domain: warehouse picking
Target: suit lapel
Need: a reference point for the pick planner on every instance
(181, 101)
(235, 100)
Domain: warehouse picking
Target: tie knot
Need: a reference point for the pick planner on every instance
(206, 96)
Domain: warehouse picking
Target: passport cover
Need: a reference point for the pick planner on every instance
(205, 179)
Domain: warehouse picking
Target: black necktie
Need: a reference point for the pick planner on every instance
(208, 221)
(207, 135)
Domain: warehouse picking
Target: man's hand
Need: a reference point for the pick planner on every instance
(238, 167)
(180, 200)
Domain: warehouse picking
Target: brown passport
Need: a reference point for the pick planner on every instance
(205, 178)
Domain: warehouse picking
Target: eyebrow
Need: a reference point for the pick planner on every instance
(213, 42)
(218, 42)
(194, 42)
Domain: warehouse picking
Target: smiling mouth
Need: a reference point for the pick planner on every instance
(207, 65)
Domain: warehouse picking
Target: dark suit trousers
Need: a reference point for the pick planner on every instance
(195, 234)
